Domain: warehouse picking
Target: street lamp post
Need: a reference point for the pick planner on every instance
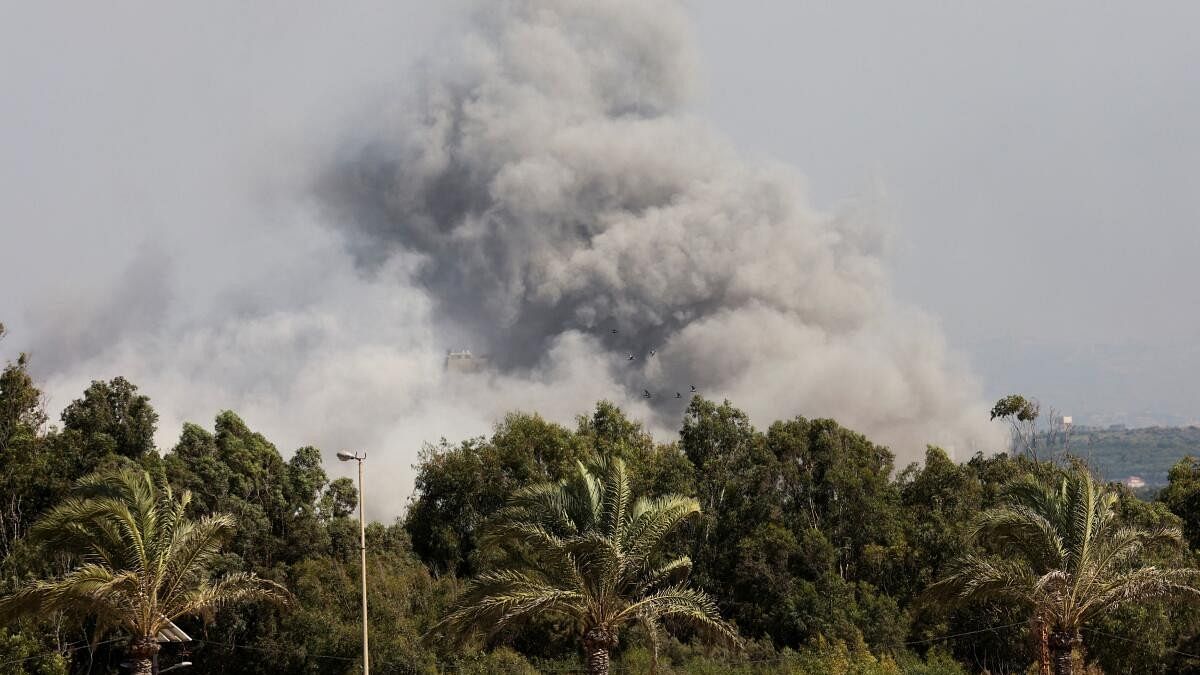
(362, 547)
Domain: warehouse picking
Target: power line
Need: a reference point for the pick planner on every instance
(970, 632)
(1139, 642)
(285, 650)
(67, 650)
(274, 649)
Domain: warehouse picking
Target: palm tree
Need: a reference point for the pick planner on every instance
(585, 549)
(141, 562)
(1066, 558)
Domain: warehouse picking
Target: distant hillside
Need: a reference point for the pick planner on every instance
(1148, 452)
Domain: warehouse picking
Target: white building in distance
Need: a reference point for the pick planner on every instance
(1134, 482)
(465, 362)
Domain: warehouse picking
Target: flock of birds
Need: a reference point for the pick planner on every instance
(646, 393)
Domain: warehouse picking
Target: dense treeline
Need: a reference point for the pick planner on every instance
(809, 539)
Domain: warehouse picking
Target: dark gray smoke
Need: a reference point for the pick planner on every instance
(552, 182)
(545, 140)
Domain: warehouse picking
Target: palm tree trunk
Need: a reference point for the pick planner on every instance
(1062, 645)
(142, 652)
(597, 661)
(1043, 648)
(598, 642)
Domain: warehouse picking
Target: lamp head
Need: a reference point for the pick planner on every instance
(346, 456)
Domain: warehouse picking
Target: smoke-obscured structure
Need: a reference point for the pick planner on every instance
(543, 194)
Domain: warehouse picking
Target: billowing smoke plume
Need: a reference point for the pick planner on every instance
(552, 184)
(540, 189)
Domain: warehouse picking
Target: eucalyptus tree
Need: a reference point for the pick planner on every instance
(585, 549)
(139, 562)
(1060, 551)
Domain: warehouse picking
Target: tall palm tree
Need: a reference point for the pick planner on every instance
(140, 561)
(585, 549)
(1065, 556)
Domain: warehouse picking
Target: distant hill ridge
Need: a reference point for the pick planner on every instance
(1118, 453)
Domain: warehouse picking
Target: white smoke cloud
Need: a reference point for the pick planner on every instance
(539, 188)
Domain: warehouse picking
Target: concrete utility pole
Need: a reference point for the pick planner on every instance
(362, 548)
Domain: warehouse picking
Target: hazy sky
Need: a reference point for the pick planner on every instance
(1040, 162)
(1037, 163)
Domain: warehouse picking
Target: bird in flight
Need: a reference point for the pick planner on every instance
(631, 357)
(693, 388)
(651, 352)
(678, 395)
(645, 393)
(614, 331)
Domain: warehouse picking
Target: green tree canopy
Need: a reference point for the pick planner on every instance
(586, 549)
(115, 415)
(1061, 552)
(139, 561)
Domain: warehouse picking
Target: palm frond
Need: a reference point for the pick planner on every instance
(500, 598)
(684, 605)
(90, 590)
(1075, 562)
(524, 531)
(975, 578)
(1085, 518)
(193, 547)
(616, 497)
(653, 520)
(584, 548)
(1021, 529)
(140, 557)
(1046, 500)
(653, 629)
(672, 573)
(1122, 548)
(1140, 585)
(549, 503)
(232, 589)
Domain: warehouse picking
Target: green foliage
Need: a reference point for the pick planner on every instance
(818, 658)
(25, 474)
(587, 550)
(278, 504)
(23, 655)
(113, 415)
(137, 561)
(941, 500)
(1017, 407)
(21, 414)
(807, 540)
(1182, 497)
(457, 487)
(801, 523)
(40, 468)
(1060, 549)
(323, 633)
(292, 520)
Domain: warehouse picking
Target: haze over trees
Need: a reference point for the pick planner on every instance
(804, 536)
